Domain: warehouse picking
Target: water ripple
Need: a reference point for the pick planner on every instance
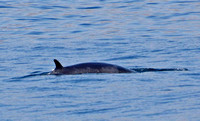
(94, 7)
(6, 6)
(126, 57)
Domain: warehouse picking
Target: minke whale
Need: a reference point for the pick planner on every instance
(91, 67)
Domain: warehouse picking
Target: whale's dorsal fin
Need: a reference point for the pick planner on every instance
(58, 65)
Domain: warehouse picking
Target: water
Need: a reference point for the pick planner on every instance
(132, 34)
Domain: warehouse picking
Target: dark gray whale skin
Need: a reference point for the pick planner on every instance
(87, 68)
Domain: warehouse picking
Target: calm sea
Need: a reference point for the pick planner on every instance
(129, 33)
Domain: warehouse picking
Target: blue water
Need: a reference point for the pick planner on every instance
(129, 33)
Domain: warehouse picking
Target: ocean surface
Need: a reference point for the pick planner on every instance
(129, 33)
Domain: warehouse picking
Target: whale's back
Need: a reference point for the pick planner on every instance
(97, 68)
(88, 68)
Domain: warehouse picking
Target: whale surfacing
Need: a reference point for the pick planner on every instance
(87, 68)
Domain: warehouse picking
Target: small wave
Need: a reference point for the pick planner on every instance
(94, 7)
(126, 57)
(1, 6)
(33, 74)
